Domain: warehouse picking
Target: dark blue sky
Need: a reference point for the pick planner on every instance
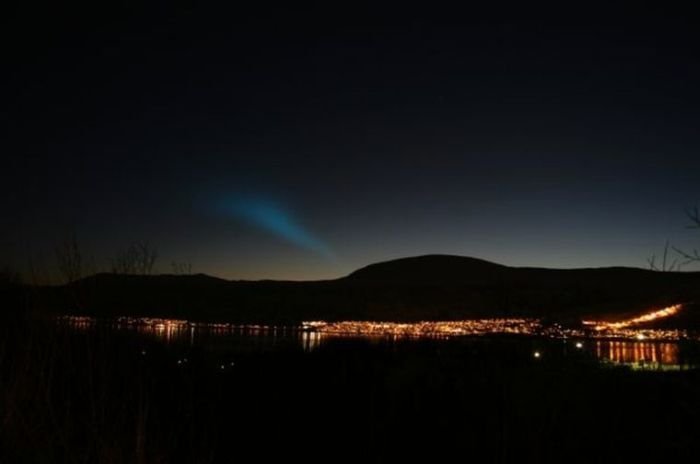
(304, 143)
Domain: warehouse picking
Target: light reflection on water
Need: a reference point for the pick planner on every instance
(638, 354)
(185, 333)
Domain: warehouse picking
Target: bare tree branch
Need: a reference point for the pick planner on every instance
(137, 258)
(694, 216)
(69, 259)
(182, 268)
(665, 265)
(690, 257)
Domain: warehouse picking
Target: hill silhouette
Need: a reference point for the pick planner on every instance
(431, 287)
(430, 269)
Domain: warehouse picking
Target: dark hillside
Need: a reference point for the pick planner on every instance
(421, 288)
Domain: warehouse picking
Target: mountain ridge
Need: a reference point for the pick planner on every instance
(368, 272)
(427, 287)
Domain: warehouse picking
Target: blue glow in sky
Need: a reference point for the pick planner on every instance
(277, 220)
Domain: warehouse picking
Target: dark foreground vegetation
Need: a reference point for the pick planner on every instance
(422, 288)
(112, 397)
(103, 396)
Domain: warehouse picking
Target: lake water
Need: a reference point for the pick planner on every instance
(226, 341)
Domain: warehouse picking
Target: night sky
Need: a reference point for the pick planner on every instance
(304, 142)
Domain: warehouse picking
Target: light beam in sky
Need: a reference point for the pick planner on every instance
(275, 219)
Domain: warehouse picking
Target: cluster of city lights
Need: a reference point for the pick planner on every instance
(163, 324)
(643, 334)
(623, 330)
(619, 342)
(644, 318)
(434, 329)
